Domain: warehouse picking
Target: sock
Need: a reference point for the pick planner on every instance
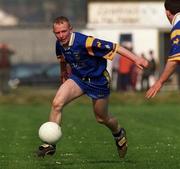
(117, 135)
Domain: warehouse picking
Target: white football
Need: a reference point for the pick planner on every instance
(50, 132)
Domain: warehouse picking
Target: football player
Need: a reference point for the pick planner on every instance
(87, 57)
(172, 8)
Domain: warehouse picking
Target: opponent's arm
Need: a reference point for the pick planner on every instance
(167, 72)
(140, 62)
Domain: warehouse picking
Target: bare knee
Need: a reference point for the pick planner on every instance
(101, 120)
(57, 105)
(56, 109)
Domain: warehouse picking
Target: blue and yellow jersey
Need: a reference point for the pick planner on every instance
(86, 55)
(174, 54)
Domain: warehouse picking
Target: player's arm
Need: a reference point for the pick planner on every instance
(64, 74)
(167, 72)
(107, 50)
(140, 62)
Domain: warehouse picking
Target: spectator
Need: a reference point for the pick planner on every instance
(134, 76)
(152, 67)
(5, 65)
(148, 72)
(115, 72)
(125, 66)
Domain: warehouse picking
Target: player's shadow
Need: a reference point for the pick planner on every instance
(109, 161)
(95, 162)
(102, 161)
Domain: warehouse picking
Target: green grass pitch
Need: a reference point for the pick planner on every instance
(153, 132)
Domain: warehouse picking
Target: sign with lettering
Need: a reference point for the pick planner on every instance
(150, 14)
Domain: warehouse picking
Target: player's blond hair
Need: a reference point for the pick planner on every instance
(61, 20)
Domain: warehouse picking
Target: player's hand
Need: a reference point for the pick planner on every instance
(153, 90)
(142, 63)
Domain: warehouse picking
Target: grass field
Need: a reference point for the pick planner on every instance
(152, 127)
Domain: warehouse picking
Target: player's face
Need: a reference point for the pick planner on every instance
(62, 32)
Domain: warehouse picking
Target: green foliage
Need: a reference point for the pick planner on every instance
(152, 130)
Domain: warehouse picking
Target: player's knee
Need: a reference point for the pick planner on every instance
(101, 120)
(57, 105)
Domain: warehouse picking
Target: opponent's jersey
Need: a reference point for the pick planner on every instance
(174, 53)
(86, 55)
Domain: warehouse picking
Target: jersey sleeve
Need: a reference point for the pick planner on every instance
(58, 50)
(59, 54)
(101, 48)
(174, 54)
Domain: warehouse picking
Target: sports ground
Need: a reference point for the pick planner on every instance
(152, 129)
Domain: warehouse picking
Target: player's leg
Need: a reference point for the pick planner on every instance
(102, 116)
(67, 92)
(100, 107)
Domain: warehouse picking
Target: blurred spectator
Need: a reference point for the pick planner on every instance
(148, 75)
(125, 68)
(115, 72)
(134, 76)
(152, 67)
(5, 65)
(145, 77)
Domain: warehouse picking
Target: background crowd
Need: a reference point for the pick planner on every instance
(126, 76)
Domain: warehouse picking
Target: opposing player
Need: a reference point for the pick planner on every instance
(173, 14)
(87, 57)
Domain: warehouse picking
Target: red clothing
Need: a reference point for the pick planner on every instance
(125, 65)
(5, 57)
